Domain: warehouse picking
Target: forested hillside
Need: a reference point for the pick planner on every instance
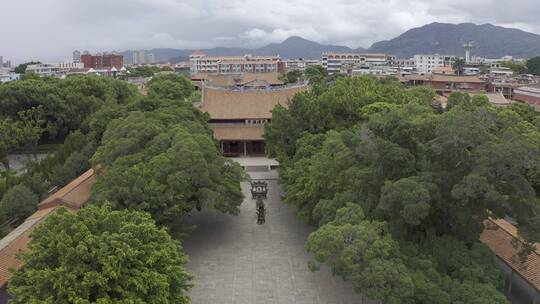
(399, 187)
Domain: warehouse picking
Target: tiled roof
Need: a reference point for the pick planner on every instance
(498, 99)
(16, 241)
(238, 132)
(442, 78)
(245, 104)
(450, 78)
(72, 196)
(499, 235)
(270, 78)
(443, 70)
(230, 80)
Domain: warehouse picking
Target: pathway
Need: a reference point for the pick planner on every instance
(236, 261)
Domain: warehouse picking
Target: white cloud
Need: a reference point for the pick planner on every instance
(49, 29)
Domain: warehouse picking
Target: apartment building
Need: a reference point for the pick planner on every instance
(344, 62)
(425, 64)
(300, 64)
(102, 61)
(54, 69)
(200, 63)
(141, 57)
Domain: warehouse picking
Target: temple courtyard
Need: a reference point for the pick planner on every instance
(236, 261)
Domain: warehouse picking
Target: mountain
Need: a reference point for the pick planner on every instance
(292, 47)
(488, 41)
(297, 47)
(443, 38)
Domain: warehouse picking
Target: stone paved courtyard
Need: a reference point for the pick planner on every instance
(236, 261)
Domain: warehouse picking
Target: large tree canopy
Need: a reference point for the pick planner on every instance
(427, 175)
(167, 163)
(101, 256)
(170, 86)
(74, 111)
(67, 103)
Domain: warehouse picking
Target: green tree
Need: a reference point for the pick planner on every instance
(166, 162)
(429, 177)
(292, 76)
(18, 203)
(32, 128)
(405, 200)
(363, 252)
(10, 140)
(143, 71)
(459, 66)
(458, 99)
(516, 67)
(170, 86)
(533, 65)
(101, 256)
(316, 74)
(21, 68)
(484, 68)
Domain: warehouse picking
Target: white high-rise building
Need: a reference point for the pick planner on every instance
(468, 48)
(139, 57)
(76, 56)
(1, 62)
(341, 62)
(200, 63)
(300, 64)
(425, 64)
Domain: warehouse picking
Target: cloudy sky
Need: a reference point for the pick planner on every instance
(50, 29)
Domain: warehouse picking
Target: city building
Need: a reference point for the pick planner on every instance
(238, 116)
(444, 70)
(425, 64)
(446, 84)
(102, 61)
(346, 62)
(468, 49)
(200, 63)
(54, 70)
(8, 76)
(142, 57)
(471, 70)
(72, 196)
(300, 64)
(138, 57)
(528, 94)
(501, 71)
(76, 56)
(4, 64)
(376, 70)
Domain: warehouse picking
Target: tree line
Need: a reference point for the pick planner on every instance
(399, 186)
(156, 161)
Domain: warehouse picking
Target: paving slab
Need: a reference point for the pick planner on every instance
(236, 261)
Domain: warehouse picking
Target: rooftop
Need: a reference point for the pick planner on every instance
(246, 104)
(72, 196)
(230, 80)
(238, 132)
(499, 235)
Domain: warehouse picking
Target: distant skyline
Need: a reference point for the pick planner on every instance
(49, 30)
